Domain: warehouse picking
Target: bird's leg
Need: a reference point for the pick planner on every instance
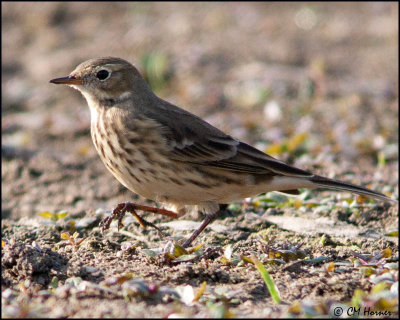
(145, 223)
(164, 212)
(209, 218)
(122, 208)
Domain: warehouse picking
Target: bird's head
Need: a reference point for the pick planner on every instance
(105, 78)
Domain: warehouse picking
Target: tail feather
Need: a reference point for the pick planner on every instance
(339, 185)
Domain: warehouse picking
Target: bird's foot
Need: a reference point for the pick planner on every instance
(122, 208)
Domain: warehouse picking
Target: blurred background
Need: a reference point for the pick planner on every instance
(314, 84)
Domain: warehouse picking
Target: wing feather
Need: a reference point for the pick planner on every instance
(191, 139)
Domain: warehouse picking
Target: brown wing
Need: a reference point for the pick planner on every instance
(191, 139)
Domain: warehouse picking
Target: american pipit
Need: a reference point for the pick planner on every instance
(169, 155)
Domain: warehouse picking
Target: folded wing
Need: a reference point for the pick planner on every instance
(191, 139)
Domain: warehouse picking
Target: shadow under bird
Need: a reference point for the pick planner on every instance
(170, 155)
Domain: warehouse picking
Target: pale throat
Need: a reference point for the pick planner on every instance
(94, 101)
(95, 105)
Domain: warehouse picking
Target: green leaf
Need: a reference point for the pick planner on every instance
(185, 257)
(46, 215)
(151, 253)
(394, 233)
(60, 215)
(179, 251)
(273, 290)
(54, 282)
(381, 159)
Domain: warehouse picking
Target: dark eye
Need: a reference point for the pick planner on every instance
(102, 74)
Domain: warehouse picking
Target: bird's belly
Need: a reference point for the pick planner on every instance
(163, 182)
(156, 178)
(187, 184)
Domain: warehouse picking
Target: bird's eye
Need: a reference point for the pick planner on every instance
(102, 74)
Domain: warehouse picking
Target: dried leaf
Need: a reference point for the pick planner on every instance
(330, 267)
(200, 291)
(228, 252)
(297, 203)
(65, 236)
(387, 253)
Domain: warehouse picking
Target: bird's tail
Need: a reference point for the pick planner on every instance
(323, 182)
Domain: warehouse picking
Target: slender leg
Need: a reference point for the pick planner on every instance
(122, 208)
(209, 218)
(145, 224)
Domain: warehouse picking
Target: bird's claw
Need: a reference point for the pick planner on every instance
(119, 213)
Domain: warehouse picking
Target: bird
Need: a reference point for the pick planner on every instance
(167, 154)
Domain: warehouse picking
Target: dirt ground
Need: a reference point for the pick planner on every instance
(313, 84)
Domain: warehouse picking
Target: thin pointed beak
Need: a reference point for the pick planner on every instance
(67, 80)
